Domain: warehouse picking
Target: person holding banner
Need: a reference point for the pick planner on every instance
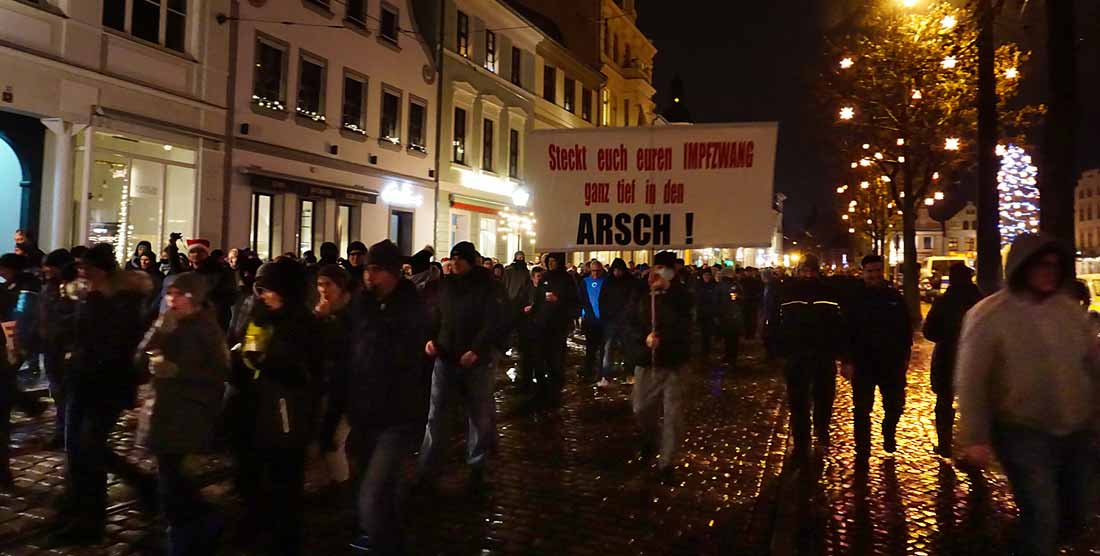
(662, 327)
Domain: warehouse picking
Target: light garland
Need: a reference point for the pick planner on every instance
(1018, 189)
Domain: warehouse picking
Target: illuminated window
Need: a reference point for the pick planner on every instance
(463, 44)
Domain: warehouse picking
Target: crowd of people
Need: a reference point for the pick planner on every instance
(352, 364)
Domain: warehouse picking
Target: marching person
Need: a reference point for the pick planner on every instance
(1026, 381)
(881, 339)
(662, 320)
(592, 322)
(556, 307)
(731, 314)
(54, 334)
(223, 283)
(528, 333)
(334, 322)
(616, 300)
(707, 307)
(943, 326)
(468, 324)
(186, 355)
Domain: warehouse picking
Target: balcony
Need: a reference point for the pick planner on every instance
(636, 70)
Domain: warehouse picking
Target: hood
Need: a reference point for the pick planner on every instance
(1027, 247)
(560, 257)
(619, 264)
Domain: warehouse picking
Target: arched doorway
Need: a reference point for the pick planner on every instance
(12, 179)
(22, 142)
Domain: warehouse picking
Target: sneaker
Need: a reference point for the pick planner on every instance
(604, 383)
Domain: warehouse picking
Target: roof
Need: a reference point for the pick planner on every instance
(544, 24)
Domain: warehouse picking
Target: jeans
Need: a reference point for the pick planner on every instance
(272, 484)
(891, 384)
(382, 453)
(811, 388)
(1051, 478)
(593, 346)
(88, 425)
(613, 334)
(475, 385)
(657, 390)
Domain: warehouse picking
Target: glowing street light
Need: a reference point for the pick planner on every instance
(847, 113)
(851, 230)
(866, 146)
(865, 162)
(855, 165)
(901, 142)
(864, 185)
(879, 156)
(909, 3)
(901, 159)
(844, 217)
(952, 144)
(846, 63)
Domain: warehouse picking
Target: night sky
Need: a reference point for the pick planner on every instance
(758, 61)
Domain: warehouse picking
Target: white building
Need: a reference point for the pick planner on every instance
(1087, 206)
(503, 76)
(333, 134)
(112, 119)
(957, 236)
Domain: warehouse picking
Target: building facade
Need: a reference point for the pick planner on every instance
(333, 134)
(957, 236)
(627, 62)
(112, 120)
(1087, 207)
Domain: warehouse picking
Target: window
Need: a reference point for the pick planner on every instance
(459, 143)
(401, 226)
(517, 61)
(355, 96)
(626, 56)
(487, 235)
(269, 85)
(162, 22)
(463, 35)
(311, 88)
(966, 224)
(491, 51)
(953, 244)
(927, 242)
(513, 153)
(586, 104)
(626, 112)
(357, 12)
(417, 116)
(391, 116)
(260, 235)
(343, 227)
(605, 107)
(549, 83)
(970, 244)
(570, 94)
(615, 48)
(487, 145)
(460, 228)
(305, 226)
(388, 28)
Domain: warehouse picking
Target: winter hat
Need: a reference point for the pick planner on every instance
(329, 251)
(959, 273)
(193, 284)
(422, 260)
(59, 258)
(15, 262)
(665, 258)
(337, 274)
(466, 251)
(101, 256)
(285, 277)
(198, 245)
(519, 256)
(387, 255)
(357, 247)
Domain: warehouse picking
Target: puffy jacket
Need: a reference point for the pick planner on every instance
(943, 326)
(469, 315)
(810, 321)
(674, 327)
(879, 328)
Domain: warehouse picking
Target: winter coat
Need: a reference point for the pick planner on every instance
(556, 317)
(674, 328)
(188, 396)
(109, 324)
(387, 380)
(469, 316)
(223, 289)
(618, 295)
(879, 329)
(54, 334)
(592, 287)
(810, 322)
(943, 326)
(707, 301)
(730, 311)
(515, 276)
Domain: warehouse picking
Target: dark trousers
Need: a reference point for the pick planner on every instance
(550, 370)
(752, 314)
(593, 347)
(707, 332)
(381, 454)
(945, 416)
(890, 381)
(1051, 478)
(55, 368)
(811, 387)
(733, 345)
(528, 358)
(194, 528)
(272, 484)
(88, 425)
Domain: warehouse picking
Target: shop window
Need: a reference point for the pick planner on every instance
(517, 64)
(355, 98)
(513, 153)
(162, 22)
(388, 28)
(343, 227)
(262, 219)
(487, 236)
(459, 142)
(570, 95)
(357, 13)
(418, 113)
(586, 104)
(490, 51)
(549, 83)
(487, 145)
(311, 88)
(307, 211)
(463, 38)
(401, 228)
(391, 116)
(269, 80)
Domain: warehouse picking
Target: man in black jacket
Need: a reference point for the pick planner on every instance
(220, 279)
(616, 301)
(944, 326)
(468, 325)
(662, 353)
(881, 339)
(811, 337)
(556, 307)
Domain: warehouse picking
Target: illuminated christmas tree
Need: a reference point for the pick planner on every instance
(1019, 194)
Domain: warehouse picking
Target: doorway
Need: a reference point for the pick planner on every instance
(401, 230)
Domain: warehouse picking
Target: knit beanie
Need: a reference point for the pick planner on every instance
(285, 277)
(193, 284)
(665, 258)
(357, 247)
(337, 274)
(101, 256)
(387, 255)
(466, 251)
(422, 260)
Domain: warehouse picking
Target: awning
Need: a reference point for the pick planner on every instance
(307, 187)
(473, 204)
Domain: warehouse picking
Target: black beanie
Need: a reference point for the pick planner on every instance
(15, 262)
(466, 251)
(284, 277)
(357, 247)
(59, 258)
(101, 256)
(665, 258)
(422, 260)
(387, 255)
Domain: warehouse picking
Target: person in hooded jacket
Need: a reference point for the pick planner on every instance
(54, 333)
(334, 322)
(467, 324)
(1026, 378)
(943, 326)
(387, 389)
(556, 307)
(276, 390)
(516, 277)
(186, 355)
(706, 309)
(730, 314)
(616, 301)
(528, 333)
(141, 248)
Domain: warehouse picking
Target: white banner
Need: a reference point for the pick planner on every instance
(662, 187)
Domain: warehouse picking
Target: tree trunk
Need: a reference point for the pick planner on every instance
(989, 235)
(910, 268)
(1058, 174)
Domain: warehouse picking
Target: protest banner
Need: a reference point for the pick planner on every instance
(661, 187)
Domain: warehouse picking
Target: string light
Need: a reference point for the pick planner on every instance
(938, 196)
(901, 142)
(1019, 194)
(948, 21)
(952, 144)
(864, 185)
(929, 202)
(866, 146)
(846, 63)
(865, 162)
(847, 113)
(1012, 73)
(878, 156)
(917, 94)
(901, 159)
